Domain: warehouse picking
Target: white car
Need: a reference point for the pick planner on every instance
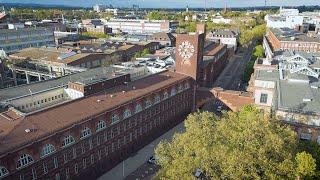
(219, 109)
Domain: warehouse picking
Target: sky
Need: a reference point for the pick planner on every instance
(171, 3)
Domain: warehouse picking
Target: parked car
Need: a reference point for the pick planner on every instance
(198, 173)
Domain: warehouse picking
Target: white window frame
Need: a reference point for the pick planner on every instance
(24, 160)
(101, 125)
(157, 99)
(148, 103)
(127, 113)
(85, 132)
(67, 141)
(3, 172)
(165, 95)
(47, 150)
(138, 108)
(173, 91)
(114, 118)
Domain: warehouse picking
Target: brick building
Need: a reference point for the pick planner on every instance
(289, 40)
(95, 123)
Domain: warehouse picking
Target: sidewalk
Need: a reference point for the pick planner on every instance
(128, 166)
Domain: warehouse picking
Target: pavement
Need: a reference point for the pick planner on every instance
(136, 167)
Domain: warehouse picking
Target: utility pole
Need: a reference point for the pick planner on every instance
(205, 5)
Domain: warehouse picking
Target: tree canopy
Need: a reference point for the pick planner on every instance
(239, 145)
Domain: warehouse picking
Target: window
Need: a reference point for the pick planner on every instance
(180, 88)
(263, 98)
(74, 152)
(173, 91)
(186, 85)
(34, 173)
(148, 103)
(114, 118)
(157, 99)
(92, 158)
(138, 108)
(55, 162)
(165, 95)
(67, 173)
(76, 170)
(127, 113)
(45, 168)
(84, 162)
(24, 160)
(101, 125)
(86, 132)
(46, 150)
(67, 141)
(3, 172)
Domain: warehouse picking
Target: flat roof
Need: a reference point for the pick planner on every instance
(48, 121)
(24, 90)
(287, 34)
(267, 75)
(49, 54)
(291, 96)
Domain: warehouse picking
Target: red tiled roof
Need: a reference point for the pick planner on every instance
(56, 118)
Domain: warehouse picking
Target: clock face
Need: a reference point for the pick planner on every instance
(186, 50)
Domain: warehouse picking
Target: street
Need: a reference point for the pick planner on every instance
(230, 78)
(136, 167)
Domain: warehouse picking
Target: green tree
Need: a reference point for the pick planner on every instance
(240, 145)
(258, 51)
(306, 165)
(245, 38)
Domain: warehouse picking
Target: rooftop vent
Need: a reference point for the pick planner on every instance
(112, 95)
(314, 87)
(123, 92)
(98, 100)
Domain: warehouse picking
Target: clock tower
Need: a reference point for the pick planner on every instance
(189, 54)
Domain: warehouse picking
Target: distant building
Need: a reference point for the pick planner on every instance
(288, 18)
(13, 40)
(99, 8)
(218, 19)
(165, 39)
(141, 26)
(225, 36)
(290, 40)
(288, 85)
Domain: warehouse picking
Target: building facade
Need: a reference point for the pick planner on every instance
(13, 40)
(99, 121)
(141, 26)
(290, 40)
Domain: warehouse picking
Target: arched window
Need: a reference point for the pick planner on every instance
(101, 125)
(85, 132)
(126, 113)
(138, 108)
(157, 99)
(24, 160)
(180, 88)
(186, 85)
(148, 103)
(165, 95)
(68, 140)
(173, 91)
(3, 172)
(46, 150)
(114, 118)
